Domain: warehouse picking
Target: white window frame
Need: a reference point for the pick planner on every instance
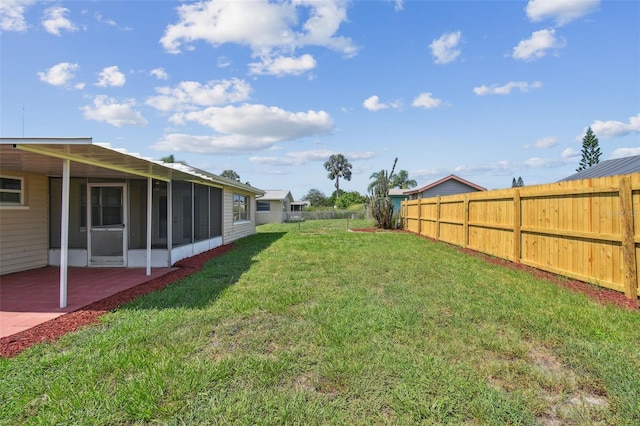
(21, 192)
(247, 214)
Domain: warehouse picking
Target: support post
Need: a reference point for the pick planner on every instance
(438, 217)
(64, 232)
(465, 223)
(629, 266)
(517, 223)
(149, 217)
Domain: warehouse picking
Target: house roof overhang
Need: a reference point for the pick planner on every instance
(89, 159)
(444, 179)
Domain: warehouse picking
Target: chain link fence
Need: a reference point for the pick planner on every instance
(326, 214)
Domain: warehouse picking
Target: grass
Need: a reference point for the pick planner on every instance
(310, 324)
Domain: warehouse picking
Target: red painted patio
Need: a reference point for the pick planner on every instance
(32, 297)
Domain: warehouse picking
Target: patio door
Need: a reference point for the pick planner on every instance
(107, 216)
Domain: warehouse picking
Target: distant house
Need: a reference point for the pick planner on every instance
(397, 196)
(72, 202)
(273, 206)
(617, 166)
(449, 185)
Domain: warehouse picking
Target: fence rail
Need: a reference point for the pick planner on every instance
(582, 229)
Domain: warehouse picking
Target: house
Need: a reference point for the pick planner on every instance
(397, 196)
(273, 206)
(614, 167)
(73, 202)
(449, 185)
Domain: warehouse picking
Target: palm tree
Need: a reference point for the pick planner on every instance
(338, 166)
(374, 176)
(401, 180)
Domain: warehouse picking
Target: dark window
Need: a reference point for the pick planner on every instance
(263, 206)
(11, 191)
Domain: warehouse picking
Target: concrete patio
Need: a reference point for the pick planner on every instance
(32, 297)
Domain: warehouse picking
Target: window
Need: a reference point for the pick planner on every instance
(263, 206)
(11, 191)
(240, 207)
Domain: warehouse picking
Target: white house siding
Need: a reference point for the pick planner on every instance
(232, 231)
(275, 215)
(24, 231)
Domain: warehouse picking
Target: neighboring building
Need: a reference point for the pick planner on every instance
(397, 196)
(299, 206)
(617, 166)
(72, 202)
(449, 185)
(273, 206)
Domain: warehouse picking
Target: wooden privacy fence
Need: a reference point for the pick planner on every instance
(583, 229)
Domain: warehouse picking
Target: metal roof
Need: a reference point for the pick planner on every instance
(89, 159)
(616, 166)
(276, 194)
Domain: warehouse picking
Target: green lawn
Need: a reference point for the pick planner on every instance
(309, 324)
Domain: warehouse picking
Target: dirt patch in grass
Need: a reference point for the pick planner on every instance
(57, 327)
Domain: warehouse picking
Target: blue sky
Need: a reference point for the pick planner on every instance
(486, 90)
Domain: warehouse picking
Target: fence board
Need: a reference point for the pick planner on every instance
(582, 229)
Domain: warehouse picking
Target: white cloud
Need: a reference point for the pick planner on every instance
(102, 20)
(223, 62)
(399, 5)
(245, 128)
(108, 110)
(298, 158)
(159, 73)
(426, 100)
(546, 142)
(191, 94)
(626, 152)
(373, 103)
(283, 65)
(271, 30)
(569, 153)
(60, 74)
(612, 129)
(562, 12)
(445, 49)
(537, 46)
(293, 158)
(12, 14)
(54, 20)
(506, 89)
(111, 76)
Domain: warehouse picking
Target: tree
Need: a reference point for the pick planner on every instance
(381, 205)
(171, 159)
(401, 180)
(349, 198)
(315, 197)
(230, 174)
(590, 151)
(517, 183)
(338, 167)
(372, 184)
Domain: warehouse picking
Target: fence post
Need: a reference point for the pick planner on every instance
(465, 223)
(627, 230)
(517, 222)
(438, 217)
(419, 216)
